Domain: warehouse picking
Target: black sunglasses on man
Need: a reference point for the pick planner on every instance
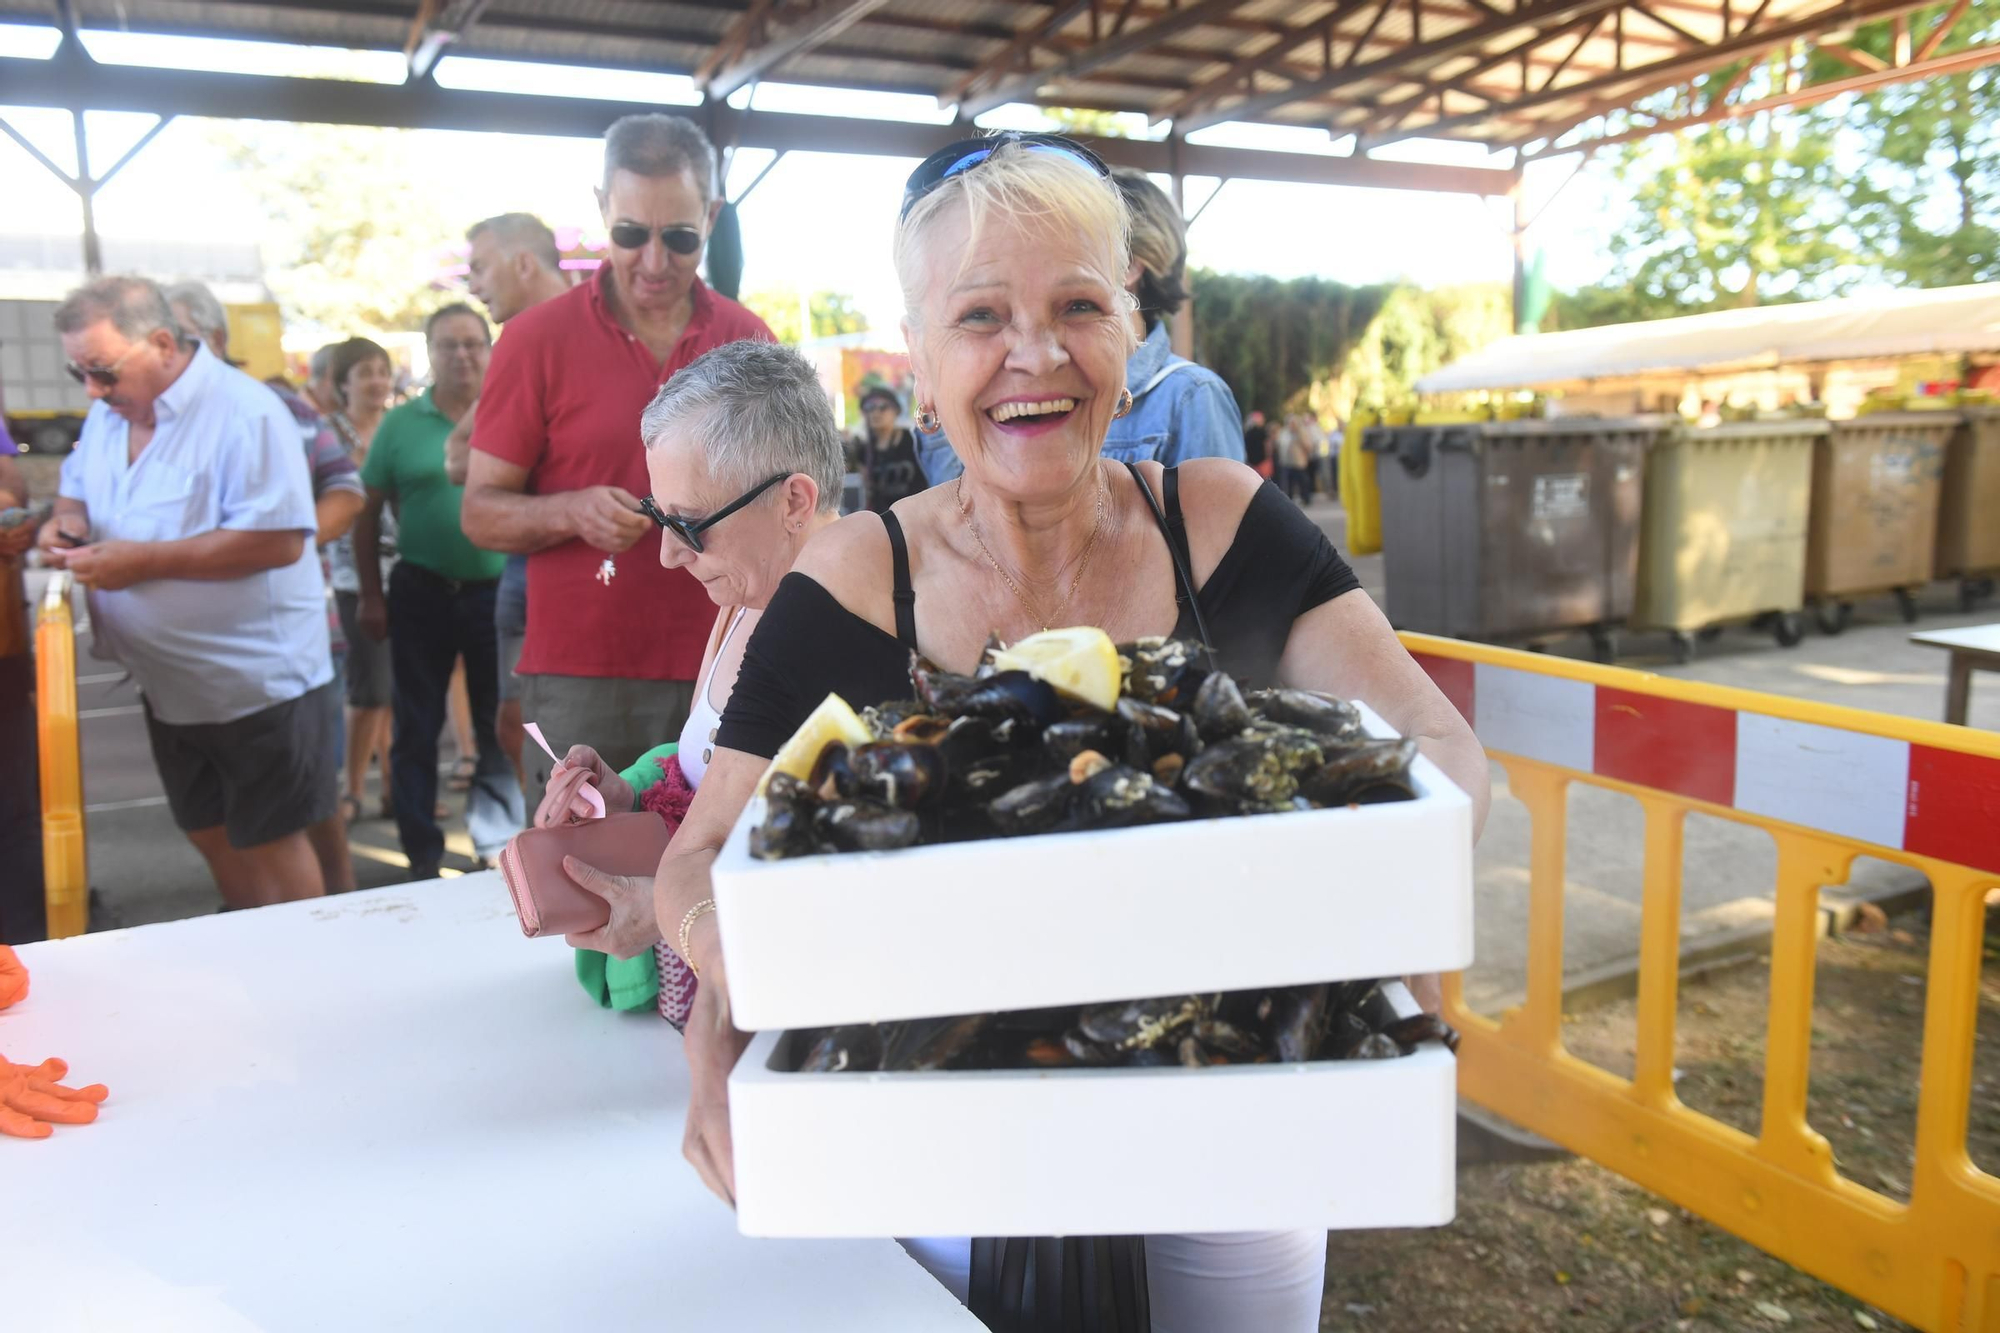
(689, 530)
(104, 377)
(679, 238)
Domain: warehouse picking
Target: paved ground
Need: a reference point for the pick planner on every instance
(144, 871)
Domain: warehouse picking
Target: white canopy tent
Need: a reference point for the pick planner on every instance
(1941, 322)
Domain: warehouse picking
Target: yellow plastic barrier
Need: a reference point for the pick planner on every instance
(64, 874)
(1828, 784)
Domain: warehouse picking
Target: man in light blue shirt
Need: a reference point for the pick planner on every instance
(186, 511)
(1179, 410)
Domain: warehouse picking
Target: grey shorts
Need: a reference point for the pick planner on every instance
(510, 657)
(368, 679)
(259, 777)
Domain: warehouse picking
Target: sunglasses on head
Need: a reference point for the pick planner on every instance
(104, 377)
(689, 530)
(958, 158)
(679, 238)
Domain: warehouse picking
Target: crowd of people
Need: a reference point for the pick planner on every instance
(622, 521)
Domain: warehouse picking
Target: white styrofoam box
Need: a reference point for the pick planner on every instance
(1079, 918)
(1094, 1152)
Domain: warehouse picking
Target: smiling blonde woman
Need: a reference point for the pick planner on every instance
(1013, 255)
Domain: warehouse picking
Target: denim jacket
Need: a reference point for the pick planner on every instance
(1179, 411)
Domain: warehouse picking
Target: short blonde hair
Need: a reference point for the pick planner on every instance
(1018, 183)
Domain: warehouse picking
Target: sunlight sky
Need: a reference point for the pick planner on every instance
(821, 221)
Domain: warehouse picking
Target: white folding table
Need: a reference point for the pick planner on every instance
(383, 1111)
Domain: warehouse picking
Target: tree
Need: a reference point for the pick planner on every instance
(830, 313)
(1416, 332)
(1902, 182)
(351, 247)
(1740, 212)
(1087, 122)
(1936, 151)
(1272, 340)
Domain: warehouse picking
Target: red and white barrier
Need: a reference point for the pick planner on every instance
(1893, 793)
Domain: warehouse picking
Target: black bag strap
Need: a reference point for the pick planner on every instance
(1075, 1284)
(1174, 532)
(905, 592)
(1170, 496)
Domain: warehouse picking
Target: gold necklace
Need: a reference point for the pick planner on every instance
(1082, 561)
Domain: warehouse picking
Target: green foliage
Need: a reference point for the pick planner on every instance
(1740, 212)
(1418, 331)
(831, 313)
(1088, 122)
(1271, 339)
(350, 245)
(1936, 150)
(1900, 183)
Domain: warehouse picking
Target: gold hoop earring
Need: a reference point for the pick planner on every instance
(1124, 404)
(927, 419)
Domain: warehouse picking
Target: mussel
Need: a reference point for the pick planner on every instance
(929, 1043)
(902, 774)
(1132, 1025)
(1296, 1019)
(1004, 694)
(789, 821)
(1119, 796)
(1161, 671)
(1412, 1032)
(1153, 731)
(1219, 711)
(1374, 1046)
(856, 1047)
(1253, 772)
(1065, 740)
(1353, 771)
(1320, 713)
(1033, 807)
(861, 825)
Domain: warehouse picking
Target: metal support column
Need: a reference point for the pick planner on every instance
(1517, 201)
(86, 193)
(1180, 329)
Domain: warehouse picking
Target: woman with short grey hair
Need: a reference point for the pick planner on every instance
(745, 465)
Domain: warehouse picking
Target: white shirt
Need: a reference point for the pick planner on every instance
(698, 732)
(224, 454)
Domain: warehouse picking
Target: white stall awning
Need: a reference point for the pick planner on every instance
(1942, 321)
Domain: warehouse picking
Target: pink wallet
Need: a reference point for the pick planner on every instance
(546, 899)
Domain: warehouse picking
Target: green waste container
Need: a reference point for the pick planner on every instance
(1873, 529)
(1512, 529)
(1968, 540)
(1724, 536)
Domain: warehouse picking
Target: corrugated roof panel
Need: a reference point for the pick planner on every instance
(367, 29)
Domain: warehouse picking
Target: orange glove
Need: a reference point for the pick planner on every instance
(32, 1100)
(13, 978)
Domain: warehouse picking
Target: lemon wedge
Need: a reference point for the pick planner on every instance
(1081, 662)
(832, 721)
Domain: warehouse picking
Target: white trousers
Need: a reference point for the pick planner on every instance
(1270, 1281)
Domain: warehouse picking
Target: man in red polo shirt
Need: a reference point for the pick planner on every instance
(614, 640)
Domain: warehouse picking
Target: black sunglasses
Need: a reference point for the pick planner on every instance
(689, 530)
(956, 158)
(679, 238)
(104, 377)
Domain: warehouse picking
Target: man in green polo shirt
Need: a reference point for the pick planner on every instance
(440, 600)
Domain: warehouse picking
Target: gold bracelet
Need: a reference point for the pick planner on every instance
(694, 914)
